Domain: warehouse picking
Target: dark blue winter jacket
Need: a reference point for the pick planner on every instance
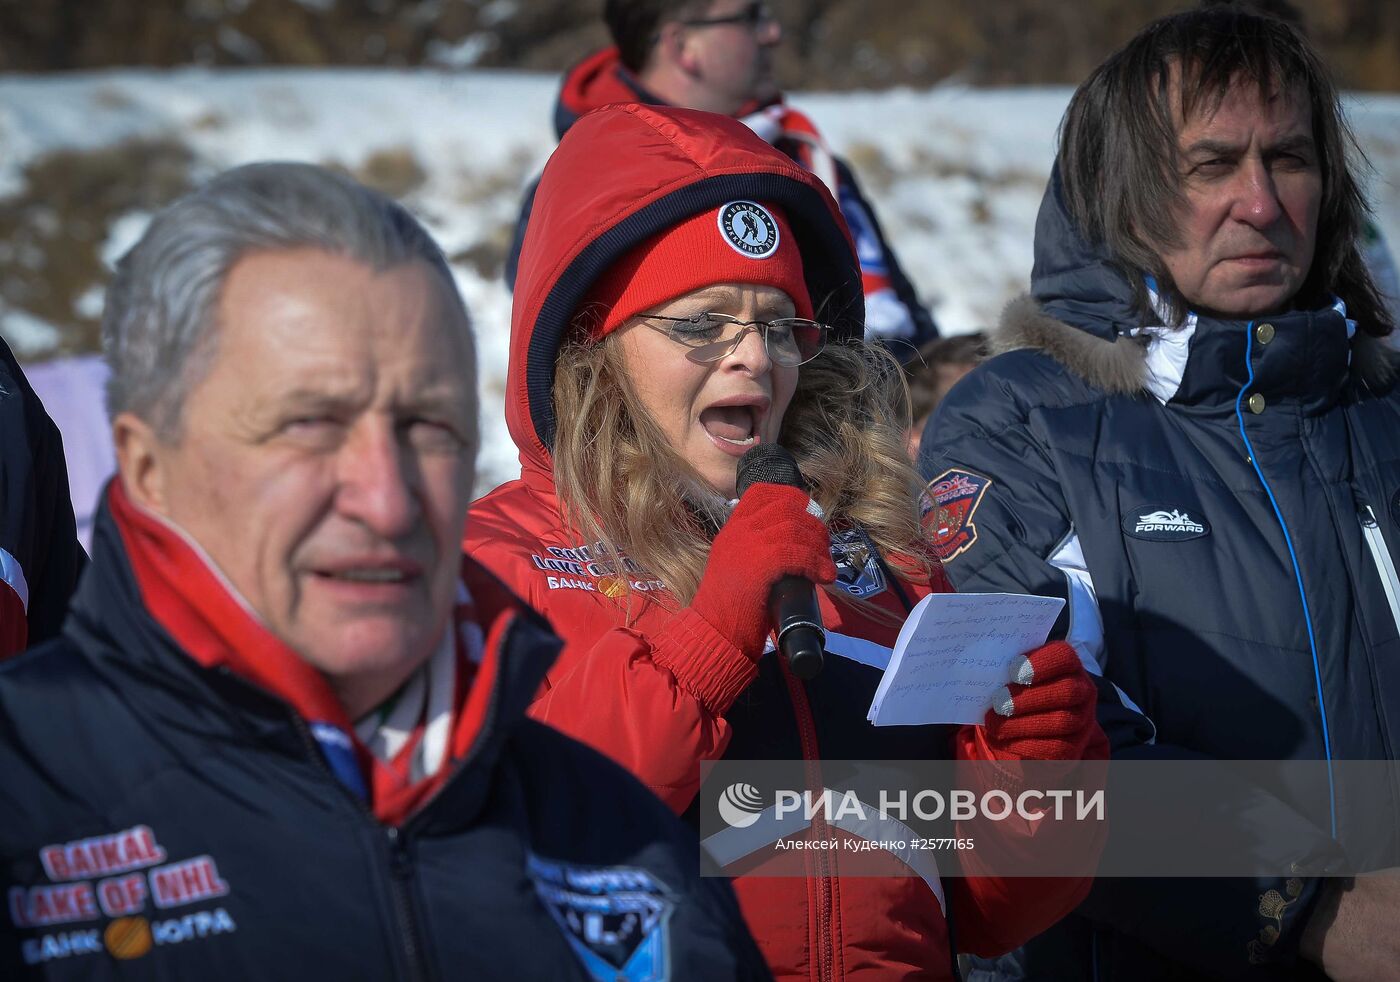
(164, 821)
(1220, 506)
(40, 557)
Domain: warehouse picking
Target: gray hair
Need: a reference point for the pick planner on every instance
(156, 327)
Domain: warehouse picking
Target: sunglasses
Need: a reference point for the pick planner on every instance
(753, 16)
(710, 336)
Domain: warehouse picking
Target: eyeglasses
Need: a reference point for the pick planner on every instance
(710, 336)
(753, 16)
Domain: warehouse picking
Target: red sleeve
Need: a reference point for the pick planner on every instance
(653, 700)
(654, 704)
(995, 914)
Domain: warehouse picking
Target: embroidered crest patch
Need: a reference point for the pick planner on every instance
(954, 496)
(857, 571)
(615, 918)
(749, 229)
(1158, 523)
(117, 875)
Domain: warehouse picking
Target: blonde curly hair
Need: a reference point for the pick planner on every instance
(621, 485)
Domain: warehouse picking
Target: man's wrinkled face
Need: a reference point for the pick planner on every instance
(326, 460)
(1252, 187)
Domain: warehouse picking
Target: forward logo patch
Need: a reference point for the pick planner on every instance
(615, 918)
(1155, 523)
(953, 497)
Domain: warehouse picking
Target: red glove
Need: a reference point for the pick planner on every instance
(1047, 713)
(769, 535)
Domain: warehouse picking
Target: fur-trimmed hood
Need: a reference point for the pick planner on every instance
(1120, 366)
(1081, 313)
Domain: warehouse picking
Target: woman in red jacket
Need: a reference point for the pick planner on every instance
(663, 325)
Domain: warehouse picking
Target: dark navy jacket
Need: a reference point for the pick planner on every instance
(165, 821)
(40, 557)
(602, 79)
(1220, 506)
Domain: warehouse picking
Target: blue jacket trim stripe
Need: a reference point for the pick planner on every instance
(1085, 621)
(1297, 573)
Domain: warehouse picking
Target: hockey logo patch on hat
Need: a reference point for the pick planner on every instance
(749, 229)
(954, 495)
(614, 917)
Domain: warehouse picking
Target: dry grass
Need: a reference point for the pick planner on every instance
(51, 235)
(832, 44)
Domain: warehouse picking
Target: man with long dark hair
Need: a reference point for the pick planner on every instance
(1197, 444)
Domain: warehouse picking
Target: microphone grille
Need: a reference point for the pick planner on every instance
(768, 463)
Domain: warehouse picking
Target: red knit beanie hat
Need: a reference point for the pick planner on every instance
(740, 242)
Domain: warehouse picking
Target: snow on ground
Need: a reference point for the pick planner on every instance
(25, 332)
(955, 174)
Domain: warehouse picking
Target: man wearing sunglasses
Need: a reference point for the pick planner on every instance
(718, 56)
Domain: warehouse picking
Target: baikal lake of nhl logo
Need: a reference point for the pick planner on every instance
(126, 878)
(615, 918)
(749, 229)
(1158, 523)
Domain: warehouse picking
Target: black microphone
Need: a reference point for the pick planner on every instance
(793, 603)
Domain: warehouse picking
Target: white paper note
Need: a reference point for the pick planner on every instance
(955, 651)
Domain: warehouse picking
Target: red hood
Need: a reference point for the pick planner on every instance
(620, 175)
(601, 80)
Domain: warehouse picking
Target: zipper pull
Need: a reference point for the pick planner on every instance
(399, 862)
(1365, 514)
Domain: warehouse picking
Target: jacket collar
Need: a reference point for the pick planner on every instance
(597, 81)
(152, 604)
(1081, 311)
(601, 80)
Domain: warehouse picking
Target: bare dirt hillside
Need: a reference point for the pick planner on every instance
(833, 44)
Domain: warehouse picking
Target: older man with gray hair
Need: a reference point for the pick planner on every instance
(283, 732)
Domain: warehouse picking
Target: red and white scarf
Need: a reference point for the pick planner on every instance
(392, 760)
(885, 314)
